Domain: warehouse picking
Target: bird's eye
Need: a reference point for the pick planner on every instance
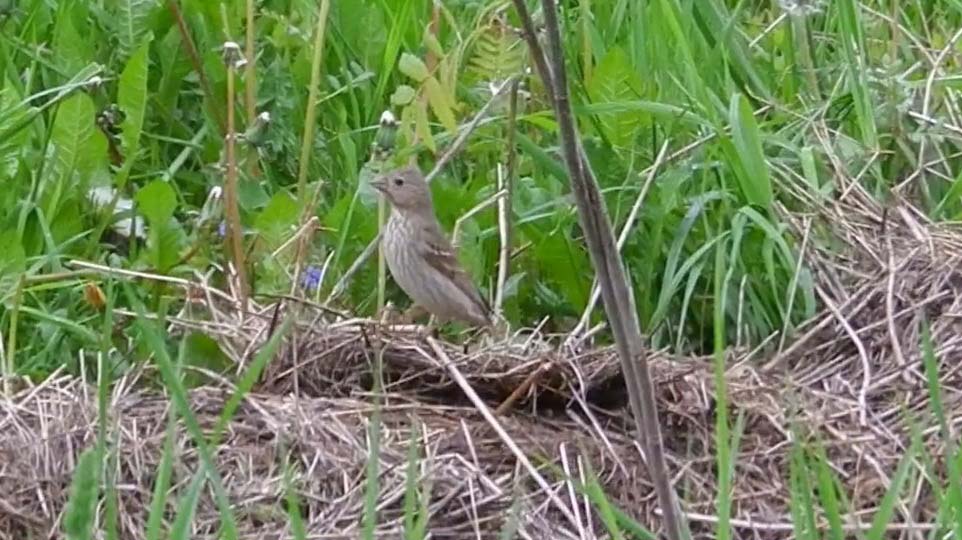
(398, 181)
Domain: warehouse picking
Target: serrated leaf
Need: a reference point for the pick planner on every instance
(132, 99)
(413, 67)
(441, 104)
(615, 81)
(403, 95)
(755, 182)
(132, 22)
(72, 130)
(157, 201)
(277, 217)
(421, 127)
(497, 54)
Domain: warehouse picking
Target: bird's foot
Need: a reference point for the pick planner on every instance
(414, 312)
(390, 315)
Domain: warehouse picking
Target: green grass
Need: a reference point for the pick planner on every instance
(102, 94)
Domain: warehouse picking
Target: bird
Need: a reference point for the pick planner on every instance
(421, 259)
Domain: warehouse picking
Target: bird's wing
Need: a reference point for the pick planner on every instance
(438, 252)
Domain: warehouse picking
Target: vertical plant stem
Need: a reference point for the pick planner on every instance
(310, 116)
(194, 56)
(617, 294)
(234, 230)
(250, 81)
(505, 203)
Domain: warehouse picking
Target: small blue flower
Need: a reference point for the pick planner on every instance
(311, 279)
(222, 229)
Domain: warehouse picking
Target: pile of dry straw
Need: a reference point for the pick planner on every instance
(847, 377)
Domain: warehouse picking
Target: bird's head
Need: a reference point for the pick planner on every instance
(405, 188)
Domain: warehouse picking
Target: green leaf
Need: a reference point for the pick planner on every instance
(72, 131)
(755, 182)
(73, 52)
(614, 81)
(441, 104)
(157, 201)
(132, 99)
(275, 221)
(132, 22)
(421, 126)
(13, 263)
(402, 95)
(81, 508)
(413, 67)
(158, 503)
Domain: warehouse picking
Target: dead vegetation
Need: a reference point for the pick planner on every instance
(847, 378)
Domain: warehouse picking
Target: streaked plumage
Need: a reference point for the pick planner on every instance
(420, 257)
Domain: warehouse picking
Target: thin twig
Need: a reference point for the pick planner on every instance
(234, 231)
(456, 230)
(194, 57)
(862, 353)
(496, 426)
(466, 132)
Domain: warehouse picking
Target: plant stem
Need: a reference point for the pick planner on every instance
(310, 116)
(617, 295)
(250, 81)
(231, 208)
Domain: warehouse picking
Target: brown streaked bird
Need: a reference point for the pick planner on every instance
(420, 257)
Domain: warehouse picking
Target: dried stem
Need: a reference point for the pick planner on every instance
(234, 231)
(618, 299)
(505, 206)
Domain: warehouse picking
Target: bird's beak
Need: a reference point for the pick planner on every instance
(379, 184)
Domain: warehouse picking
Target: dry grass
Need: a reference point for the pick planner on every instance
(845, 377)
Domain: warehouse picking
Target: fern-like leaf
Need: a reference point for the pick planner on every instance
(498, 52)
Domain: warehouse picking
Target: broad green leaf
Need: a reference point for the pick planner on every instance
(132, 22)
(73, 129)
(402, 95)
(754, 179)
(132, 98)
(73, 52)
(157, 201)
(441, 104)
(413, 67)
(275, 221)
